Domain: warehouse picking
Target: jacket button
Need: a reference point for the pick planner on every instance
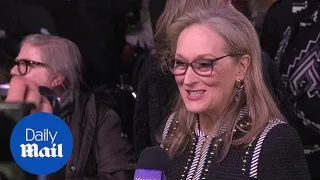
(73, 168)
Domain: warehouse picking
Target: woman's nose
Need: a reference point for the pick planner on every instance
(190, 77)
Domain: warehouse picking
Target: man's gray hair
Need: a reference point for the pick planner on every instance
(62, 55)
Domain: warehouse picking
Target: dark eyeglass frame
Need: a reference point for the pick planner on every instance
(212, 61)
(28, 63)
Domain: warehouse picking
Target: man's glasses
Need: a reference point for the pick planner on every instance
(23, 65)
(202, 67)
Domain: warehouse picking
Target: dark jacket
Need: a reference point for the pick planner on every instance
(269, 156)
(99, 149)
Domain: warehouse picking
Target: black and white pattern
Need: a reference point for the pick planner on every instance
(202, 150)
(304, 73)
(257, 150)
(196, 159)
(298, 58)
(167, 127)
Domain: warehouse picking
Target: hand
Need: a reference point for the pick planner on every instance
(22, 90)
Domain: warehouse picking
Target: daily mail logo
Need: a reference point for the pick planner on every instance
(32, 150)
(41, 143)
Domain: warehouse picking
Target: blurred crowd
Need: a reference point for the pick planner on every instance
(115, 47)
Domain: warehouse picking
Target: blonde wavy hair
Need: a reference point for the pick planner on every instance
(173, 9)
(240, 37)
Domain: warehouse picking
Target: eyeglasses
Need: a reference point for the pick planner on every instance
(202, 67)
(23, 65)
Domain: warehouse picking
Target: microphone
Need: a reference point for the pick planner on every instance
(53, 99)
(152, 164)
(26, 107)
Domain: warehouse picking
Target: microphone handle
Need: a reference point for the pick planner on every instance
(141, 174)
(163, 177)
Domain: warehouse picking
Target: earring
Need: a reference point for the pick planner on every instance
(240, 88)
(240, 84)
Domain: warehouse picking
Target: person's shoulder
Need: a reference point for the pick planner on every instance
(279, 153)
(277, 135)
(279, 131)
(103, 105)
(278, 139)
(104, 112)
(282, 127)
(96, 104)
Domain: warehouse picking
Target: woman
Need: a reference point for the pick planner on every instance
(99, 150)
(156, 89)
(226, 124)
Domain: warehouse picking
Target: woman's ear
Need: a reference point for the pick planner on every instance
(243, 66)
(58, 80)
